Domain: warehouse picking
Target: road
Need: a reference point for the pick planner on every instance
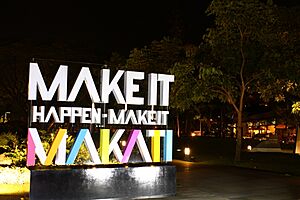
(196, 181)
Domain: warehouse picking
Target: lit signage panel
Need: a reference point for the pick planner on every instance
(112, 102)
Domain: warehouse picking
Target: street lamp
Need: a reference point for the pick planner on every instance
(187, 151)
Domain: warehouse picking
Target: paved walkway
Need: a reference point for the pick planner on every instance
(196, 181)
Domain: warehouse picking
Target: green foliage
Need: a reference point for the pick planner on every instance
(83, 156)
(286, 54)
(8, 140)
(14, 148)
(296, 108)
(158, 57)
(236, 56)
(116, 61)
(18, 155)
(248, 52)
(181, 91)
(241, 38)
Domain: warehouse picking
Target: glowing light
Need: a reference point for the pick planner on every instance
(146, 174)
(187, 151)
(16, 189)
(193, 134)
(95, 175)
(123, 143)
(249, 147)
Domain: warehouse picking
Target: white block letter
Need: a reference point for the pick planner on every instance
(86, 77)
(130, 87)
(107, 88)
(36, 81)
(164, 88)
(152, 89)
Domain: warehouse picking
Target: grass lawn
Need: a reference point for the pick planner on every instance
(19, 191)
(14, 183)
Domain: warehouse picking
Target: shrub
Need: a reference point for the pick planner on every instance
(14, 148)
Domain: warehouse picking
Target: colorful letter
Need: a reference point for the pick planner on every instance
(54, 147)
(104, 145)
(168, 146)
(84, 134)
(35, 146)
(136, 136)
(114, 146)
(155, 146)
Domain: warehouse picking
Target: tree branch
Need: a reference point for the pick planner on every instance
(254, 77)
(224, 92)
(243, 56)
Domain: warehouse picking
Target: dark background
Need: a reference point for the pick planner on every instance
(104, 26)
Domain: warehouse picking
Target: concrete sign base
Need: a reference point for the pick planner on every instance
(103, 181)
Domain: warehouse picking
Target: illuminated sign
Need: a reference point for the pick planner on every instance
(125, 92)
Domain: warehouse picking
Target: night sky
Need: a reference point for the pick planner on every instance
(115, 26)
(104, 26)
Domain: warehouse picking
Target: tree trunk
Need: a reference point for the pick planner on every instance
(239, 110)
(186, 127)
(297, 141)
(239, 135)
(178, 125)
